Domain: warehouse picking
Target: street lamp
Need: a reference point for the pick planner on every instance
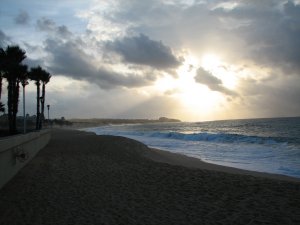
(24, 83)
(48, 107)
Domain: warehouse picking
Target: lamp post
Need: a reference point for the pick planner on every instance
(24, 83)
(48, 107)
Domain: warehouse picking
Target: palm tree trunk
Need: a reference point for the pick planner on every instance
(15, 104)
(10, 105)
(42, 105)
(24, 113)
(2, 109)
(0, 86)
(37, 106)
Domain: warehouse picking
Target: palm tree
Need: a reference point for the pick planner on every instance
(21, 73)
(2, 108)
(45, 78)
(36, 74)
(24, 82)
(2, 55)
(1, 77)
(12, 70)
(23, 79)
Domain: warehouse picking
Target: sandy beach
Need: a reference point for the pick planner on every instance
(82, 178)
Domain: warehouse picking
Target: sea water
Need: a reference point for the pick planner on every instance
(265, 145)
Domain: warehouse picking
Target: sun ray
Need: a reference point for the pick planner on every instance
(194, 98)
(214, 64)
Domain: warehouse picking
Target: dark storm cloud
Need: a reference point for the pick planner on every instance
(144, 51)
(22, 18)
(265, 32)
(66, 58)
(33, 62)
(272, 33)
(292, 10)
(177, 22)
(47, 25)
(212, 82)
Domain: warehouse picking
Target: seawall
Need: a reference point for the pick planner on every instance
(16, 151)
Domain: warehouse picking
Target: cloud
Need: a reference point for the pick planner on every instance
(33, 62)
(45, 24)
(263, 32)
(275, 98)
(271, 35)
(79, 58)
(48, 25)
(212, 82)
(22, 18)
(127, 44)
(68, 59)
(73, 100)
(153, 108)
(144, 51)
(4, 39)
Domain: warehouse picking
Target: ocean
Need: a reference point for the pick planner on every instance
(265, 145)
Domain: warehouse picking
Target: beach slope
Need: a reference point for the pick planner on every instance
(81, 178)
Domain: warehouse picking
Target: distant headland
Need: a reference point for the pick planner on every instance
(107, 121)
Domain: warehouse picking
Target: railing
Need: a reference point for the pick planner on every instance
(16, 151)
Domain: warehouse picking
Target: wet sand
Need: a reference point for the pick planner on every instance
(81, 178)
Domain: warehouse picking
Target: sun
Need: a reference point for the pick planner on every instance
(219, 68)
(195, 99)
(210, 62)
(198, 100)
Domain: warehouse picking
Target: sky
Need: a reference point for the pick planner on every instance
(193, 60)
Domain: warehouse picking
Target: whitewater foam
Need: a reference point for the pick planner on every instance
(236, 146)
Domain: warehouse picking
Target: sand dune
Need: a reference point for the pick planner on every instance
(81, 178)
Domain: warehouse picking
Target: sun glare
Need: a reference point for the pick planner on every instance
(198, 99)
(194, 98)
(213, 64)
(210, 62)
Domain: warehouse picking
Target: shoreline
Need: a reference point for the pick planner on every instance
(83, 178)
(172, 158)
(178, 159)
